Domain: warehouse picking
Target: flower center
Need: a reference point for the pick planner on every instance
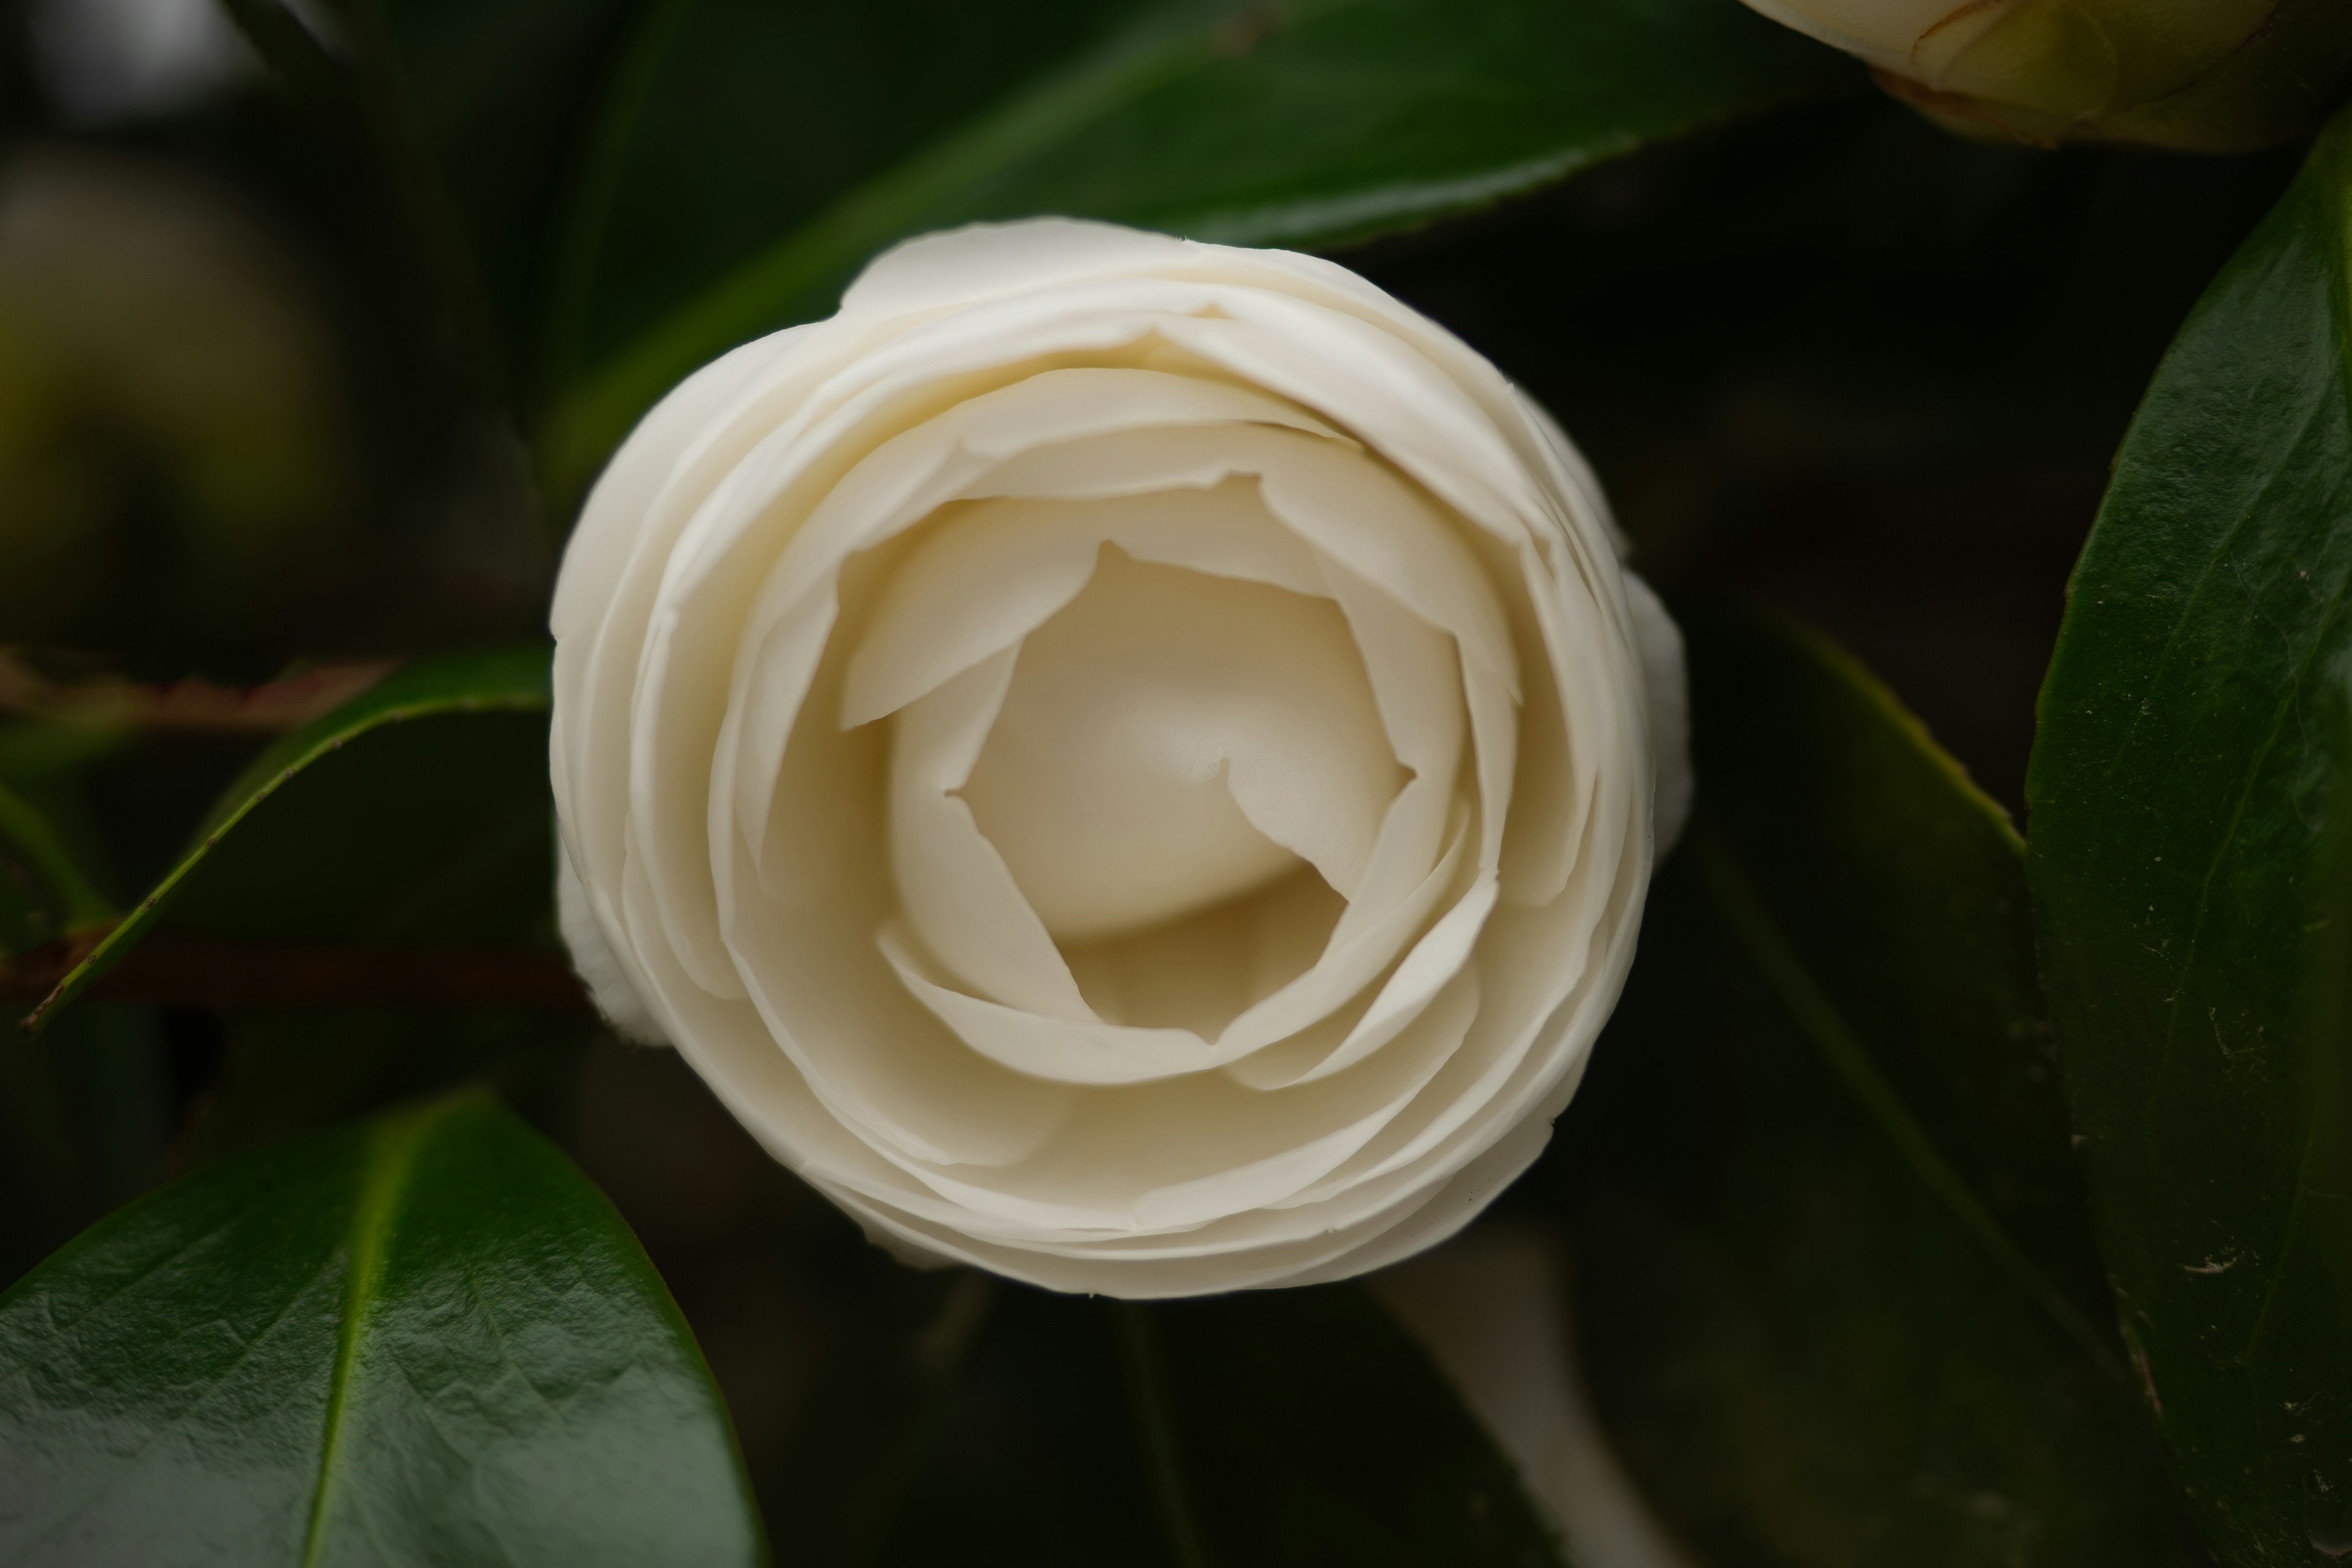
(1172, 739)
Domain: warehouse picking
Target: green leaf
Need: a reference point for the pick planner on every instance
(1288, 1427)
(457, 793)
(2188, 733)
(2326, 1176)
(1308, 122)
(424, 1338)
(1837, 1298)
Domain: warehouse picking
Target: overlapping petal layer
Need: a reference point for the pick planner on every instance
(1130, 764)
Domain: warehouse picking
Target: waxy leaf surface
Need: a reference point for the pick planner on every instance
(423, 1338)
(2190, 729)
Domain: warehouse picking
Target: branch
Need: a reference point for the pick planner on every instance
(191, 707)
(187, 973)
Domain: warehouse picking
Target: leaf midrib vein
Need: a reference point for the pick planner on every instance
(390, 1162)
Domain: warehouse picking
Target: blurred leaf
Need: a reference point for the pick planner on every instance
(423, 1338)
(1298, 122)
(497, 87)
(1836, 1296)
(2189, 733)
(429, 822)
(355, 87)
(1264, 1428)
(44, 892)
(1275, 1427)
(1035, 1462)
(1291, 1426)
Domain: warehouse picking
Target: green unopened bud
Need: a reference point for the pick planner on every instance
(2208, 75)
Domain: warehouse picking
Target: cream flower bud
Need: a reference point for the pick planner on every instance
(1130, 764)
(2207, 75)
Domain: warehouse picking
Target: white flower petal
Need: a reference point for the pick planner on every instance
(1667, 689)
(957, 890)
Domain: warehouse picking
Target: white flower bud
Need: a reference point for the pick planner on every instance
(2207, 75)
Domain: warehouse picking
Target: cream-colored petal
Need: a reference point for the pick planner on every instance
(1358, 950)
(993, 571)
(1172, 739)
(1127, 1050)
(1172, 1154)
(878, 1062)
(915, 471)
(1081, 1051)
(957, 266)
(1434, 963)
(601, 964)
(1668, 689)
(955, 887)
(1436, 1023)
(1203, 971)
(1338, 500)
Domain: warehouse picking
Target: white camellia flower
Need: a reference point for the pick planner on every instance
(1130, 764)
(2214, 75)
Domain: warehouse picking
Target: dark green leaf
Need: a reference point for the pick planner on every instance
(2188, 730)
(2328, 1170)
(1305, 1427)
(424, 1338)
(429, 822)
(496, 86)
(1837, 1296)
(1299, 123)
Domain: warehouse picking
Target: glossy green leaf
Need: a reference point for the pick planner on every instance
(1837, 1298)
(424, 1338)
(1299, 123)
(2327, 1167)
(356, 847)
(2188, 730)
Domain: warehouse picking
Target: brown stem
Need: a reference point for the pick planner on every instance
(183, 972)
(193, 707)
